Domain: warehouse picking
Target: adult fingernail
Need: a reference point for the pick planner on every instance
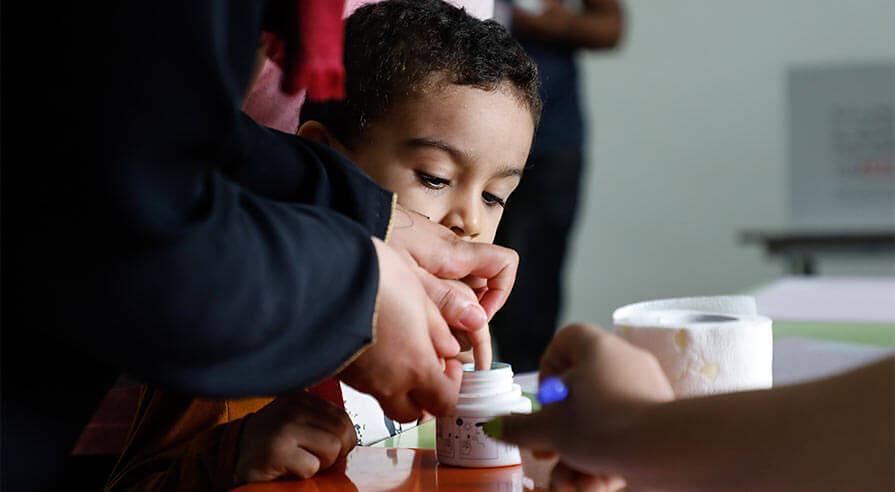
(473, 317)
(552, 390)
(493, 428)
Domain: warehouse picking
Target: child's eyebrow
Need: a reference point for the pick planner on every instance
(456, 153)
(460, 155)
(509, 171)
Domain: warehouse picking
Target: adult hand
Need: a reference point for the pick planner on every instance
(440, 254)
(610, 382)
(296, 435)
(552, 22)
(405, 367)
(599, 24)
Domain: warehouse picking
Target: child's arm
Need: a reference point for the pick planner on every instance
(179, 442)
(184, 443)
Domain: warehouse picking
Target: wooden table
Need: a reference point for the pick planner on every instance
(407, 462)
(377, 469)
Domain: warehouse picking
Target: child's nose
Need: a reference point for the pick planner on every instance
(463, 221)
(462, 233)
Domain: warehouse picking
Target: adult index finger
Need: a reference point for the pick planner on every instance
(496, 265)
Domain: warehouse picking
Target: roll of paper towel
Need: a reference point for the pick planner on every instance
(705, 345)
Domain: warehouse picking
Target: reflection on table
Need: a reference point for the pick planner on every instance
(376, 469)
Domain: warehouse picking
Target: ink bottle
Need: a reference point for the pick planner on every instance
(459, 438)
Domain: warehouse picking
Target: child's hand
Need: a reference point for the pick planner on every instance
(296, 435)
(475, 345)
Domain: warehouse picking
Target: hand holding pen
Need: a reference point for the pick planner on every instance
(593, 385)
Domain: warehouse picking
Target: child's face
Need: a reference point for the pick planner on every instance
(453, 154)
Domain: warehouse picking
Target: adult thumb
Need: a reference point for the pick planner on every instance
(456, 302)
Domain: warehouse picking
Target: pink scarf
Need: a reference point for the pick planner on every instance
(267, 103)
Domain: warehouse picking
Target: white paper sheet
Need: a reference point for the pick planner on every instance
(829, 299)
(802, 359)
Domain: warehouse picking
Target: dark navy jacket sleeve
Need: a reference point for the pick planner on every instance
(150, 227)
(208, 254)
(322, 172)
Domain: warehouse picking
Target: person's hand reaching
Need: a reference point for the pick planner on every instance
(408, 367)
(610, 381)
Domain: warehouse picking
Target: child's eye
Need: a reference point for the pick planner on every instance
(492, 200)
(433, 182)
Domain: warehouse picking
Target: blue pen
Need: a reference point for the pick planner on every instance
(552, 390)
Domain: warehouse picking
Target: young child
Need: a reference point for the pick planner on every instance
(441, 109)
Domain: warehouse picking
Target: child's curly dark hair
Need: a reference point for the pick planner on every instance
(399, 48)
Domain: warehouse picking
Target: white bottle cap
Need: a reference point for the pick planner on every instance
(459, 438)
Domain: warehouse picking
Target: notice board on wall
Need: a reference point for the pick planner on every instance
(842, 146)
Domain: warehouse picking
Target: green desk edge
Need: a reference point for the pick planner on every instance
(881, 334)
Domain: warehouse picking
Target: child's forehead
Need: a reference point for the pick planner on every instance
(418, 99)
(469, 126)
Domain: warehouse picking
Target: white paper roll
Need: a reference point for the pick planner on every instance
(705, 345)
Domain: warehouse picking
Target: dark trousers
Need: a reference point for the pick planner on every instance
(536, 223)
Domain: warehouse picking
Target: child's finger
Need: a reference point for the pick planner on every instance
(479, 341)
(325, 446)
(347, 435)
(301, 462)
(333, 419)
(481, 347)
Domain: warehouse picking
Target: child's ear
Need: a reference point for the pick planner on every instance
(316, 131)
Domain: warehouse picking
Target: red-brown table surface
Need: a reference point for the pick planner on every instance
(371, 469)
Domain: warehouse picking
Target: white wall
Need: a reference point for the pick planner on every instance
(688, 143)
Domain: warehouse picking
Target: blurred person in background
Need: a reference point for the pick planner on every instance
(538, 220)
